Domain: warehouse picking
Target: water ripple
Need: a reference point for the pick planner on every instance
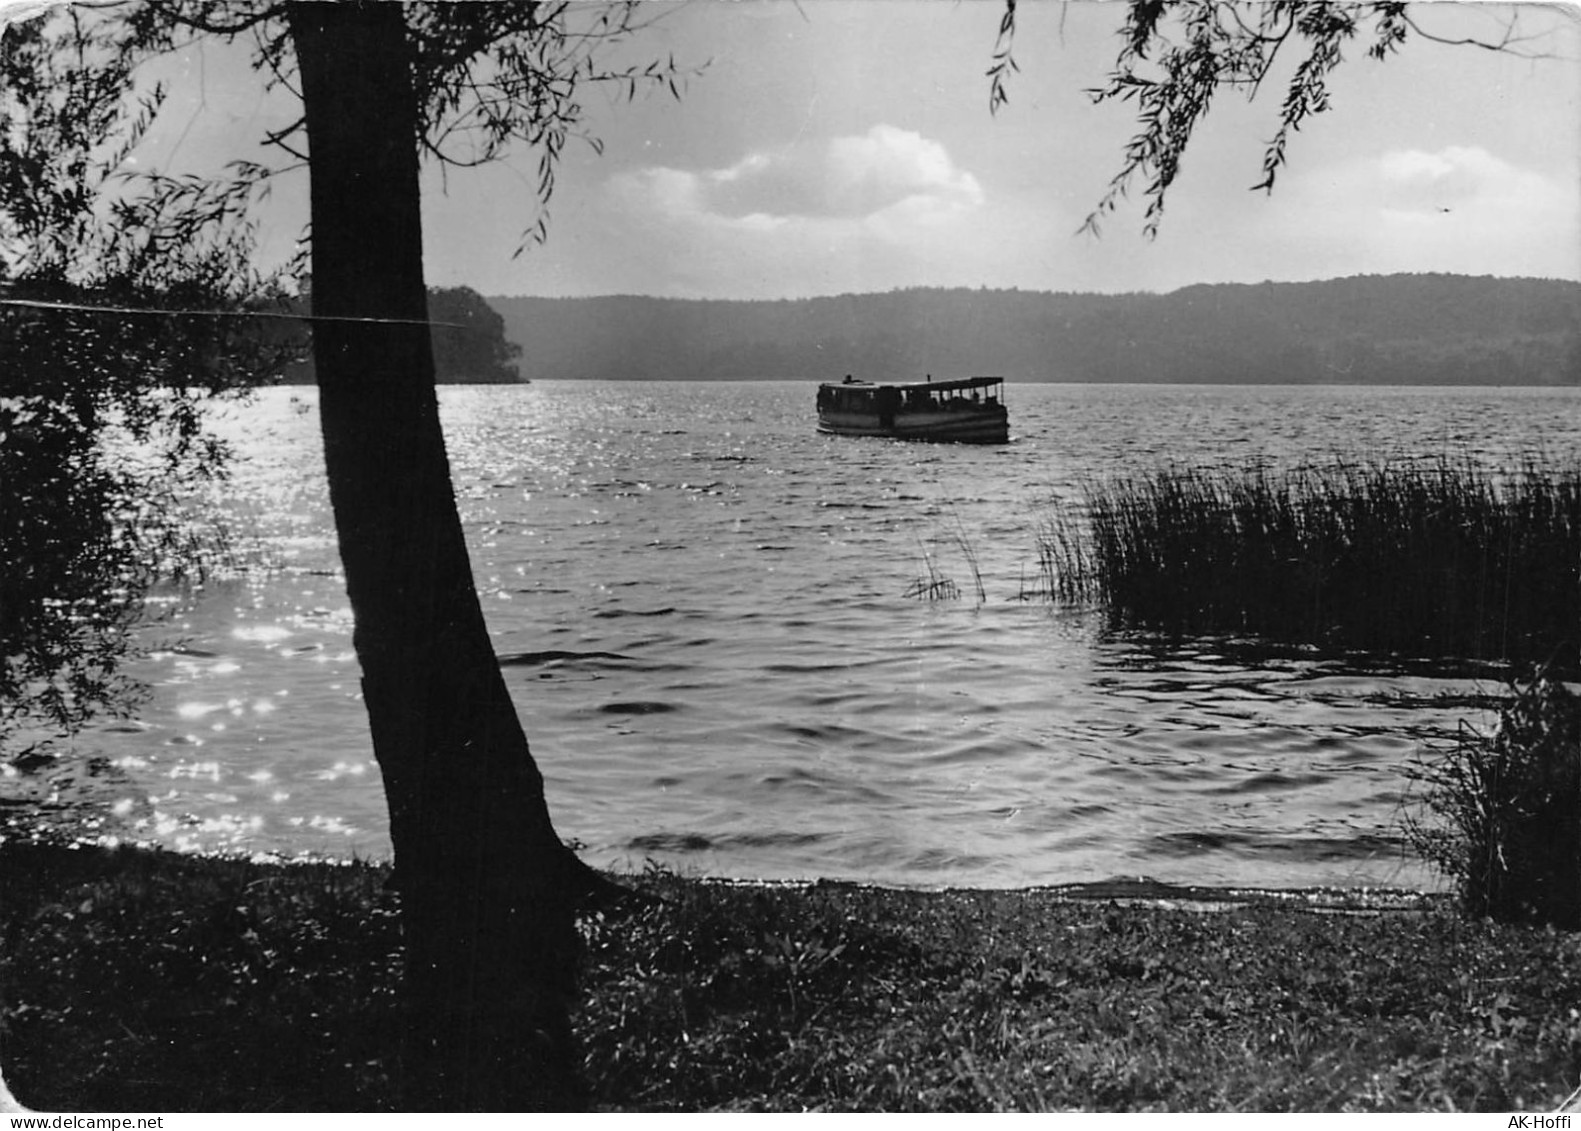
(699, 606)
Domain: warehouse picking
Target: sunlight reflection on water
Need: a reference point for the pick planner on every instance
(698, 602)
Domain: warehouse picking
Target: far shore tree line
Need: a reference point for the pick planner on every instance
(489, 895)
(1370, 330)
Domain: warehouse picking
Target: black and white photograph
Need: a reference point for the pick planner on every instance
(789, 556)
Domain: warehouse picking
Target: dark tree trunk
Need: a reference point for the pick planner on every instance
(488, 892)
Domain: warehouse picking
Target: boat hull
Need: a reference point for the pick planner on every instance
(988, 424)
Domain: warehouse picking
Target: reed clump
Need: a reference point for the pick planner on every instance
(939, 586)
(936, 586)
(1502, 810)
(1439, 558)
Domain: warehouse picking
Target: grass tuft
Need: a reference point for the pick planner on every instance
(1504, 810)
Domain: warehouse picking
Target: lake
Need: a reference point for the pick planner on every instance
(701, 605)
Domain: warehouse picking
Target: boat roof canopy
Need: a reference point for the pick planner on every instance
(953, 383)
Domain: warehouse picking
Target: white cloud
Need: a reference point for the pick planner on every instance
(1457, 209)
(889, 168)
(870, 211)
(948, 235)
(1414, 181)
(890, 176)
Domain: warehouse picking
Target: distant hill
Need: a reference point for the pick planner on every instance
(1395, 329)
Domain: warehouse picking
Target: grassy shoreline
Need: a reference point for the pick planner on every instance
(142, 980)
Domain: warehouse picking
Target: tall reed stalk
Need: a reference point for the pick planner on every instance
(963, 543)
(1442, 558)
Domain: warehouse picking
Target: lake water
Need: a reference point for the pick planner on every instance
(701, 605)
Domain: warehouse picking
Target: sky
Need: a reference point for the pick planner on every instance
(834, 146)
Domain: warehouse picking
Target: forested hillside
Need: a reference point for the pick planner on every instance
(1396, 329)
(470, 345)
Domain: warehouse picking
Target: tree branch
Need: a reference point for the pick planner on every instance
(1195, 47)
